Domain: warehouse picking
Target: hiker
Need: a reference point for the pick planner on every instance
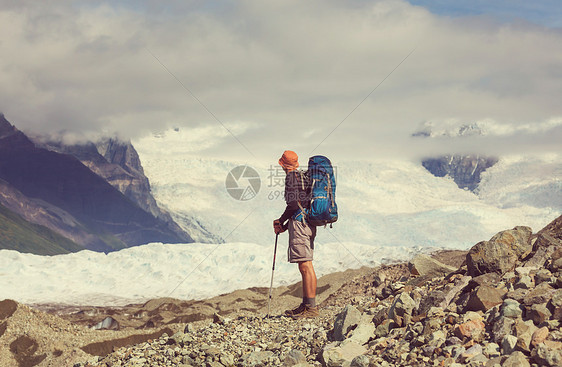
(301, 234)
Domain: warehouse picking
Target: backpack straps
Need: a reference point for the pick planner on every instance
(298, 201)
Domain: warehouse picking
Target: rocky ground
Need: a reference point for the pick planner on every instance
(500, 304)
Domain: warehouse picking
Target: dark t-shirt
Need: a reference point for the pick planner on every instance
(294, 192)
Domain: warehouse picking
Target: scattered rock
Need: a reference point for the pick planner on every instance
(508, 344)
(511, 308)
(484, 298)
(294, 357)
(345, 321)
(516, 359)
(473, 329)
(425, 265)
(403, 304)
(539, 336)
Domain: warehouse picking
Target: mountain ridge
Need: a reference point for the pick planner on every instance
(64, 182)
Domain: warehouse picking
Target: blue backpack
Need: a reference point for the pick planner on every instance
(323, 208)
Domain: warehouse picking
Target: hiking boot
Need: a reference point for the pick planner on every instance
(309, 312)
(295, 311)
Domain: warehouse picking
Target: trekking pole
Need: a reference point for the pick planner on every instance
(272, 271)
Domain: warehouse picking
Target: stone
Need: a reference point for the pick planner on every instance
(556, 304)
(425, 265)
(511, 308)
(453, 340)
(524, 330)
(379, 279)
(543, 275)
(501, 253)
(363, 333)
(218, 319)
(556, 265)
(360, 361)
(478, 360)
(345, 321)
(472, 352)
(226, 359)
(541, 294)
(473, 329)
(539, 336)
(459, 286)
(545, 355)
(522, 271)
(484, 297)
(384, 328)
(489, 279)
(509, 277)
(332, 355)
(516, 359)
(436, 339)
(539, 313)
(436, 297)
(260, 358)
(491, 350)
(525, 282)
(518, 295)
(508, 344)
(189, 329)
(403, 304)
(337, 354)
(540, 257)
(471, 315)
(293, 358)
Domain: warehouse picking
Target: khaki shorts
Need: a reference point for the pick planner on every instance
(301, 241)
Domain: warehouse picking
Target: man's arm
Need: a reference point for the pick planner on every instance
(291, 209)
(291, 197)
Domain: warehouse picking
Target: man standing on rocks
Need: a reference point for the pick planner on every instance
(301, 234)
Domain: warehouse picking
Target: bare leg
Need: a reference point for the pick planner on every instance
(308, 279)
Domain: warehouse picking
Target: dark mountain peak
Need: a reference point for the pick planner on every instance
(8, 130)
(465, 170)
(5, 126)
(122, 153)
(64, 177)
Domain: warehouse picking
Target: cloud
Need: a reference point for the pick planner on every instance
(290, 71)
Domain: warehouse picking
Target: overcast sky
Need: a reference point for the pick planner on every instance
(287, 74)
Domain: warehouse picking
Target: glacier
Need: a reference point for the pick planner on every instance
(389, 211)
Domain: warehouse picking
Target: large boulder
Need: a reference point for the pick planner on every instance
(501, 253)
(425, 265)
(403, 304)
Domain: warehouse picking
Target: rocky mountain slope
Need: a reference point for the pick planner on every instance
(119, 164)
(465, 170)
(499, 304)
(20, 235)
(68, 198)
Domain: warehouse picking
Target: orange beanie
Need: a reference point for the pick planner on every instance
(289, 160)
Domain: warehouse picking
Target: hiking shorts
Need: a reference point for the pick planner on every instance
(301, 241)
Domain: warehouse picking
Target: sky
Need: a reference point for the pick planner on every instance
(352, 79)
